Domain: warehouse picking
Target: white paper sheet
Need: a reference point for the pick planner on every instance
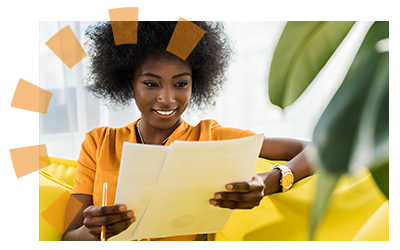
(188, 177)
(139, 170)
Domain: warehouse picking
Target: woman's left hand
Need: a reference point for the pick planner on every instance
(241, 195)
(248, 194)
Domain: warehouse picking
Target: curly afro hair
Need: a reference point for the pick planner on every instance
(111, 66)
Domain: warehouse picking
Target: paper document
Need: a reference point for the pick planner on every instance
(168, 188)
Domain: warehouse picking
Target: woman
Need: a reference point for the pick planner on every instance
(163, 86)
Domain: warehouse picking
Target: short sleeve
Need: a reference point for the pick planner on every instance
(86, 170)
(247, 133)
(221, 133)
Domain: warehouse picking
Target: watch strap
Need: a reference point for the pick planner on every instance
(284, 170)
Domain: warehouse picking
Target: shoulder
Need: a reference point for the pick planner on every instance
(98, 132)
(98, 135)
(209, 123)
(217, 132)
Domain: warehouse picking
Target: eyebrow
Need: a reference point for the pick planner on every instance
(157, 76)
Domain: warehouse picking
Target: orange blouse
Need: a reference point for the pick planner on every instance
(100, 156)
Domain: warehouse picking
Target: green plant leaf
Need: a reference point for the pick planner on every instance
(380, 164)
(302, 51)
(373, 136)
(358, 112)
(325, 185)
(381, 177)
(336, 133)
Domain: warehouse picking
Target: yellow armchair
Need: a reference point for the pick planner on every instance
(355, 203)
(357, 211)
(55, 184)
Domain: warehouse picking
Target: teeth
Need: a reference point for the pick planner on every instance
(165, 112)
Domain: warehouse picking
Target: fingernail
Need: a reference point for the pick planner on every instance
(122, 208)
(130, 214)
(133, 219)
(218, 196)
(229, 187)
(213, 202)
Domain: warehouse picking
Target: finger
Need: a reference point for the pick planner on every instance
(107, 219)
(93, 224)
(223, 203)
(233, 196)
(239, 196)
(235, 204)
(93, 211)
(117, 228)
(120, 226)
(238, 186)
(246, 186)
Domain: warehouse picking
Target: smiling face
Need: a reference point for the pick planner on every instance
(162, 92)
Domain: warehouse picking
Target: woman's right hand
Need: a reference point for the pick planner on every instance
(116, 218)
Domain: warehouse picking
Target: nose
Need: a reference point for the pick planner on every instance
(166, 97)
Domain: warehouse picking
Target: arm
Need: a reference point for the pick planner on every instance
(289, 150)
(251, 193)
(76, 230)
(86, 225)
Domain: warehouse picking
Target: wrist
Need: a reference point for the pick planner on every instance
(79, 234)
(287, 179)
(271, 181)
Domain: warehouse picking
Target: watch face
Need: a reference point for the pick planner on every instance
(287, 181)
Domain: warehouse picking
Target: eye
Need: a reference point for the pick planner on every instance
(150, 84)
(181, 84)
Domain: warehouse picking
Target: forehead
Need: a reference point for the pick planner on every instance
(164, 67)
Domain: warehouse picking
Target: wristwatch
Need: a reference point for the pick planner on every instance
(287, 177)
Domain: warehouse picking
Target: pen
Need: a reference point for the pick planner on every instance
(104, 203)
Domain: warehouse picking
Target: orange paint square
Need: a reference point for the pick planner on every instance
(67, 47)
(124, 32)
(55, 213)
(124, 24)
(124, 14)
(181, 18)
(30, 97)
(27, 160)
(185, 38)
(74, 206)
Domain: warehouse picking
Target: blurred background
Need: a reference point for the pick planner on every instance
(243, 104)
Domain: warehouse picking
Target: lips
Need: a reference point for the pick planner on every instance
(164, 113)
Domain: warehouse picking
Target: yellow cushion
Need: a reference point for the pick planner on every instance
(62, 169)
(353, 211)
(377, 227)
(285, 216)
(50, 191)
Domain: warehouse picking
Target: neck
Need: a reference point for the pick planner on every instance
(156, 136)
